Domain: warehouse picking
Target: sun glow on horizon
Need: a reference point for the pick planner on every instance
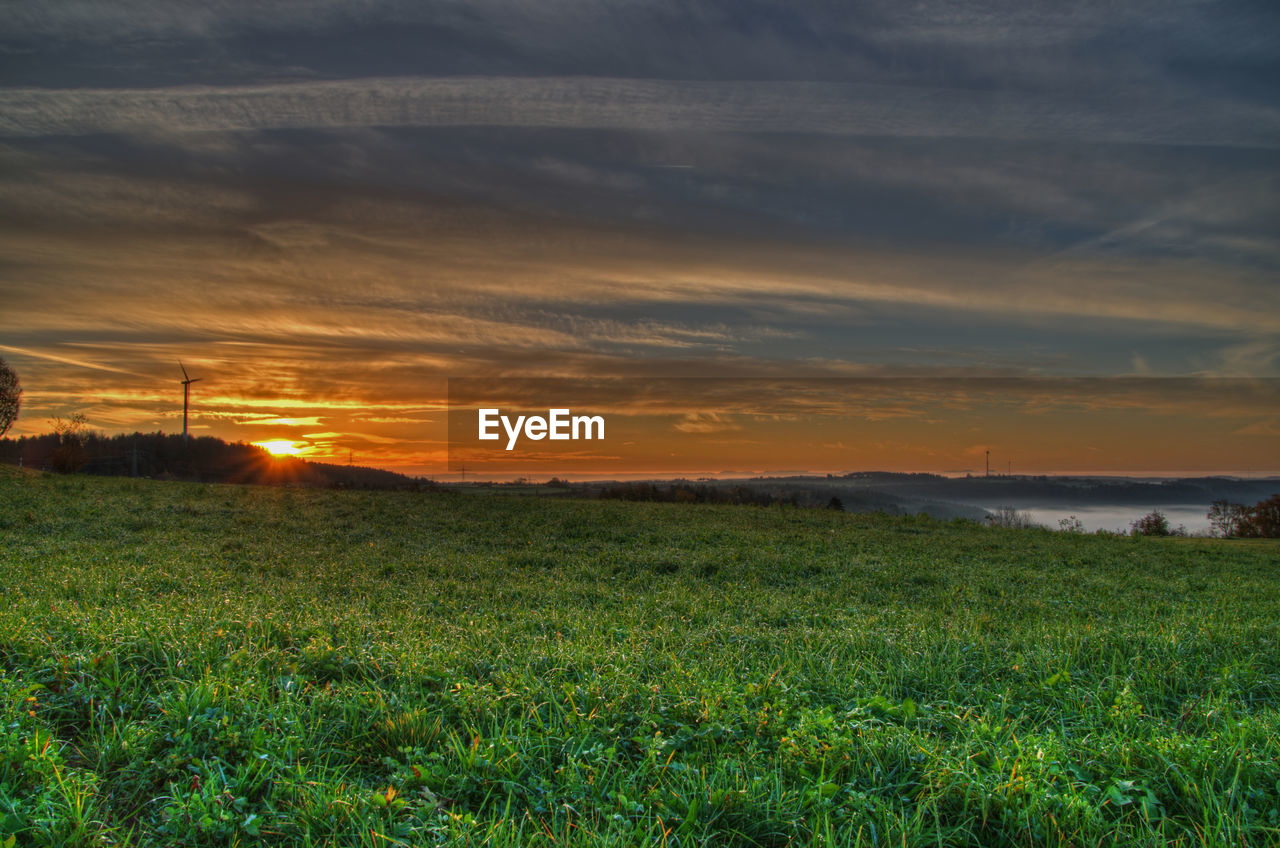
(280, 447)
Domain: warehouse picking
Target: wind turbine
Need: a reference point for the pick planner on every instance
(186, 396)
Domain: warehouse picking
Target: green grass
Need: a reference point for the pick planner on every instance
(213, 665)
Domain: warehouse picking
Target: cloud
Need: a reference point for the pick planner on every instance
(177, 19)
(410, 302)
(705, 422)
(305, 421)
(850, 109)
(391, 419)
(1250, 358)
(1269, 428)
(67, 360)
(71, 196)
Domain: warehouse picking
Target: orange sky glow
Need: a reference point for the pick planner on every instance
(920, 237)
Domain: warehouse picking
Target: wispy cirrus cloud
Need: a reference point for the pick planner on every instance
(1142, 116)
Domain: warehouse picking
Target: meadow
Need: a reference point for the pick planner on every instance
(186, 664)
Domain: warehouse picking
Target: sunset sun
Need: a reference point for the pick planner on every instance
(280, 447)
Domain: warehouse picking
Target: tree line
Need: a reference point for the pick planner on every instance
(73, 448)
(693, 493)
(1226, 519)
(1260, 521)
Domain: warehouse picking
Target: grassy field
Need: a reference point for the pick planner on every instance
(218, 665)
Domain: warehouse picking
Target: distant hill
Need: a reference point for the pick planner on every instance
(795, 491)
(947, 497)
(1065, 491)
(204, 458)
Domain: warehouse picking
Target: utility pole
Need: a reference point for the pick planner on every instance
(988, 459)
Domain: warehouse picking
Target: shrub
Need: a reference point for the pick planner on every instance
(1152, 524)
(1007, 516)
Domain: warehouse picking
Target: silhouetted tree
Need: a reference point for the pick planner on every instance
(1226, 518)
(10, 397)
(1263, 519)
(70, 455)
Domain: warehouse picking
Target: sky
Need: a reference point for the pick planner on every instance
(880, 235)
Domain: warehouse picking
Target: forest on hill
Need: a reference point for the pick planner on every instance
(203, 459)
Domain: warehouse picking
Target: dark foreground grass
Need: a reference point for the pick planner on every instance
(213, 665)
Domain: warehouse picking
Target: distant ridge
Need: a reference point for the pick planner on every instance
(205, 459)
